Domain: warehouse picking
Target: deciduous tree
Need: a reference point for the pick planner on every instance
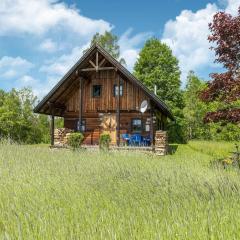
(225, 87)
(109, 42)
(156, 65)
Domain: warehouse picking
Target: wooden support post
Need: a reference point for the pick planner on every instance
(152, 127)
(52, 126)
(80, 103)
(97, 61)
(118, 111)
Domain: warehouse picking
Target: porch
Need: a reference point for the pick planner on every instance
(128, 143)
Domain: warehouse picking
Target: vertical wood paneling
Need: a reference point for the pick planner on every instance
(131, 99)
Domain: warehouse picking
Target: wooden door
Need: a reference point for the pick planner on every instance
(109, 125)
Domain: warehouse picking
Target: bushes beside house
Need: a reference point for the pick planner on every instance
(75, 140)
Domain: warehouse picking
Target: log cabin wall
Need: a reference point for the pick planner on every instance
(131, 99)
(95, 107)
(97, 67)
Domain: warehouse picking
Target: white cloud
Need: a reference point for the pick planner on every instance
(232, 6)
(39, 89)
(187, 36)
(48, 46)
(41, 16)
(11, 67)
(129, 46)
(59, 66)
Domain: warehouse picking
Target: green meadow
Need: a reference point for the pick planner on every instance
(62, 194)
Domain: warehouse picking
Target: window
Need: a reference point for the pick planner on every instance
(136, 125)
(115, 90)
(97, 91)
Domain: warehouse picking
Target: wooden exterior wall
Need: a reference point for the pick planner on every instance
(94, 108)
(131, 99)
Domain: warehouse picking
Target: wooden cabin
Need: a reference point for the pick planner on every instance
(99, 95)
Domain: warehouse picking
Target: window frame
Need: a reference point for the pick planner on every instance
(141, 125)
(114, 90)
(96, 85)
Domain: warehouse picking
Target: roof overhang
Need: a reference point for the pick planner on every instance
(49, 98)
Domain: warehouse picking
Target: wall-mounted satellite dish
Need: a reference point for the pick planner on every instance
(144, 106)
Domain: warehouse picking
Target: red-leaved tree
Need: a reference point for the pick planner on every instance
(225, 87)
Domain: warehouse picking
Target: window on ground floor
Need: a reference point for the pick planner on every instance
(136, 125)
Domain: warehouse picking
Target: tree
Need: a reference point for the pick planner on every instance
(225, 87)
(109, 42)
(195, 109)
(17, 120)
(156, 65)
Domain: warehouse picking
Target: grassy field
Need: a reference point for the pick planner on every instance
(59, 194)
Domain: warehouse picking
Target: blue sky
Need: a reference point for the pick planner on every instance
(40, 40)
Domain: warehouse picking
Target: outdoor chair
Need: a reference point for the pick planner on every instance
(147, 141)
(126, 138)
(136, 140)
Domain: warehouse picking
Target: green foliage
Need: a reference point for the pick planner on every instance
(224, 131)
(177, 130)
(75, 140)
(48, 194)
(104, 141)
(109, 42)
(156, 65)
(195, 109)
(17, 120)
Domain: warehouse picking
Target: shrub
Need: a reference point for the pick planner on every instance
(104, 141)
(75, 140)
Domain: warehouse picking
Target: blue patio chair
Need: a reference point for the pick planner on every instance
(136, 139)
(147, 141)
(126, 138)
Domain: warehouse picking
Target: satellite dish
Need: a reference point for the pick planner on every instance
(144, 106)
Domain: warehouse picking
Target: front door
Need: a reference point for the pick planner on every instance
(109, 125)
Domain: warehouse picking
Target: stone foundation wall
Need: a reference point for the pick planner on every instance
(161, 143)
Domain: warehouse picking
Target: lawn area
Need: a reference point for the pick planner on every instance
(60, 194)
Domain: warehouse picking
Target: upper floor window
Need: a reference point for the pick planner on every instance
(96, 90)
(115, 90)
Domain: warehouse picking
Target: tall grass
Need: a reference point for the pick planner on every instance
(59, 194)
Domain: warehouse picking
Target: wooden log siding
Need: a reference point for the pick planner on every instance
(131, 99)
(97, 67)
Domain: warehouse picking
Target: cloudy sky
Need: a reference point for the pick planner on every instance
(41, 39)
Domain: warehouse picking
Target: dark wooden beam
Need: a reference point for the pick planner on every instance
(99, 69)
(151, 126)
(92, 63)
(97, 61)
(52, 126)
(118, 110)
(80, 103)
(102, 62)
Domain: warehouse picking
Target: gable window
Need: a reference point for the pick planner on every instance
(115, 90)
(136, 125)
(96, 90)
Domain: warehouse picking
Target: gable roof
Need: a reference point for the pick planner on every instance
(159, 103)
